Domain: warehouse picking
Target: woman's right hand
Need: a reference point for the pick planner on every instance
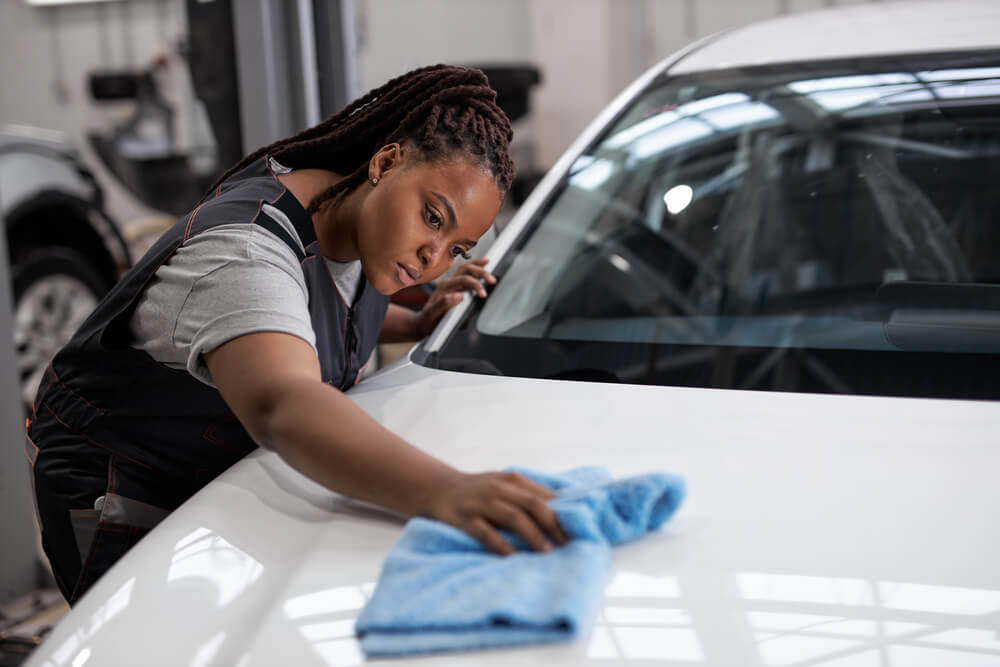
(480, 504)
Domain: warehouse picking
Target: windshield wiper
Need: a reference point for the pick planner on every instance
(942, 317)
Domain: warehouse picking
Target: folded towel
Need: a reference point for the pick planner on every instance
(441, 590)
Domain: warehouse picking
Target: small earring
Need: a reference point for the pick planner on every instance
(374, 181)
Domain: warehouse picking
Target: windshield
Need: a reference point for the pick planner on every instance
(830, 227)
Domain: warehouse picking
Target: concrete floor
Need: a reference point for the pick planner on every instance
(25, 622)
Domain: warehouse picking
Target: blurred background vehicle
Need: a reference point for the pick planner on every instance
(65, 252)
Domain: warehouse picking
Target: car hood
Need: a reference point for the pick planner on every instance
(820, 529)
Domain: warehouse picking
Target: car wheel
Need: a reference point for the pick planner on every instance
(55, 289)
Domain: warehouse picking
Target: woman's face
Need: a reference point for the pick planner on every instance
(420, 216)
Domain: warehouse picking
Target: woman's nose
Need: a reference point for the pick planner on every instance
(430, 253)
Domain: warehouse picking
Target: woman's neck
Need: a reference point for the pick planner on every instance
(334, 222)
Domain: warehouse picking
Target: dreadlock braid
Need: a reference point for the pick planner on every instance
(441, 111)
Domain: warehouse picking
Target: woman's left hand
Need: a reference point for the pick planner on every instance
(470, 277)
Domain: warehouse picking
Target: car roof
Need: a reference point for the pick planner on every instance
(855, 31)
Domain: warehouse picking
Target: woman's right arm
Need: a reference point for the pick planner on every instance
(272, 383)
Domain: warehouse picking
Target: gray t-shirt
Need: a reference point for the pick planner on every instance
(226, 282)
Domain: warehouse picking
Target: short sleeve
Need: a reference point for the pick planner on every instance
(224, 283)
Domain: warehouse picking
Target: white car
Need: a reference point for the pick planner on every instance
(771, 266)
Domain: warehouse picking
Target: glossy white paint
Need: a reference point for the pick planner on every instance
(819, 530)
(858, 30)
(850, 529)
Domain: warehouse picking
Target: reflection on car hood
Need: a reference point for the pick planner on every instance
(816, 528)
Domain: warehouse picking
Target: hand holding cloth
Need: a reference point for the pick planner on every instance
(441, 590)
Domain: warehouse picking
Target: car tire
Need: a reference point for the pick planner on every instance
(55, 289)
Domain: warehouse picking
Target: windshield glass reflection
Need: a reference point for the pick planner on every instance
(843, 215)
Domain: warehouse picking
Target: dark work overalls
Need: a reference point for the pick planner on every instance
(110, 421)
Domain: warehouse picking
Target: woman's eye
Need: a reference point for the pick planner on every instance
(433, 218)
(458, 252)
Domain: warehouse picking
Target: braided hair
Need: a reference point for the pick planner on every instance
(440, 111)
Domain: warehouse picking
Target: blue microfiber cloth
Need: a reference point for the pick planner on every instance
(441, 590)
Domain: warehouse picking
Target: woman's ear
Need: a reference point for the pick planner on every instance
(385, 159)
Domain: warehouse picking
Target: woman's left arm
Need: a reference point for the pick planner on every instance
(403, 325)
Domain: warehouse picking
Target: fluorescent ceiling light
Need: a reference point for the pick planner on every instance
(738, 115)
(969, 89)
(672, 135)
(639, 129)
(960, 74)
(835, 100)
(678, 197)
(593, 174)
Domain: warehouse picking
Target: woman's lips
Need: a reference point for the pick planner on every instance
(404, 275)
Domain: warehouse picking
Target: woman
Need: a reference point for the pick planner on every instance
(243, 324)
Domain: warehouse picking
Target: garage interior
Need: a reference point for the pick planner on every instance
(157, 96)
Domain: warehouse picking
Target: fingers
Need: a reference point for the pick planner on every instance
(472, 274)
(489, 537)
(437, 307)
(545, 517)
(534, 502)
(518, 521)
(476, 267)
(464, 282)
(531, 486)
(525, 512)
(483, 504)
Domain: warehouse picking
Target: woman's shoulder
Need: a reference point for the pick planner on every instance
(258, 179)
(241, 198)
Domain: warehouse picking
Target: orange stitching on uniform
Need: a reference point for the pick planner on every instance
(209, 434)
(149, 277)
(71, 390)
(194, 213)
(260, 205)
(44, 387)
(91, 440)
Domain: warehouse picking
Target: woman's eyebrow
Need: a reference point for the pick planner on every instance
(451, 215)
(447, 205)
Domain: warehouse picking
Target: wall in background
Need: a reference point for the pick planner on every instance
(588, 51)
(399, 35)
